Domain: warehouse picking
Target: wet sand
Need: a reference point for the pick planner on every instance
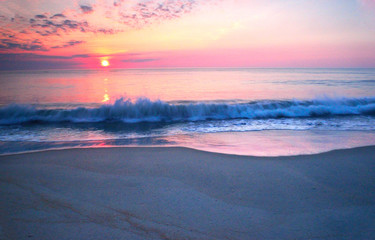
(180, 193)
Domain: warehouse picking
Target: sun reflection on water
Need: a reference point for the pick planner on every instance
(105, 98)
(106, 95)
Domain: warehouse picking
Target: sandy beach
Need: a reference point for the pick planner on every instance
(180, 193)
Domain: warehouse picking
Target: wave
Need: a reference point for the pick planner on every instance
(145, 110)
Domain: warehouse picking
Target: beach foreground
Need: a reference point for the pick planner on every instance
(180, 193)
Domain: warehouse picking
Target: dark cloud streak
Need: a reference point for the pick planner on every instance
(33, 56)
(58, 15)
(86, 9)
(68, 44)
(40, 16)
(17, 61)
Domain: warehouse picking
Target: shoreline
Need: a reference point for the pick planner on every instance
(173, 146)
(182, 193)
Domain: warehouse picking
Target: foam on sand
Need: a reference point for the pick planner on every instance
(179, 193)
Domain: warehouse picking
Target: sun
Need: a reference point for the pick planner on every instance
(104, 63)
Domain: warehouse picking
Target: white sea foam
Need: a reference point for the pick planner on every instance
(145, 110)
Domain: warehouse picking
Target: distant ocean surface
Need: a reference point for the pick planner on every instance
(246, 111)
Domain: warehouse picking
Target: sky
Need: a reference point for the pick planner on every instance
(77, 34)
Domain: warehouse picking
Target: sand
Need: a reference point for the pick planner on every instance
(180, 193)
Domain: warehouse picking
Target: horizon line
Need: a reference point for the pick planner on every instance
(168, 68)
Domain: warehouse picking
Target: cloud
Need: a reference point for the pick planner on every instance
(148, 12)
(58, 15)
(35, 45)
(35, 65)
(40, 16)
(21, 29)
(9, 43)
(33, 56)
(17, 61)
(106, 31)
(68, 44)
(86, 9)
(60, 57)
(57, 26)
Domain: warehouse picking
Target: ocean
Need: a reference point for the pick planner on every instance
(244, 111)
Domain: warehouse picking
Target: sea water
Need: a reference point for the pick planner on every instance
(247, 111)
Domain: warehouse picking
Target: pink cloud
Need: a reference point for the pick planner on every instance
(20, 29)
(368, 4)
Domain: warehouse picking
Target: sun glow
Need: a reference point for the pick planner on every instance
(104, 63)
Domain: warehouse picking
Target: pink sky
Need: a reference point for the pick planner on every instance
(186, 33)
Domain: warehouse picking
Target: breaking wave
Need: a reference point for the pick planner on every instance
(145, 110)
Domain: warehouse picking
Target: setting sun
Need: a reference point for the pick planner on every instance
(105, 63)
